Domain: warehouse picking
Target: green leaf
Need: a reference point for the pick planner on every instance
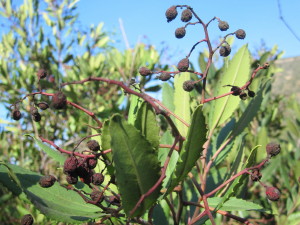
(135, 103)
(56, 202)
(236, 74)
(193, 146)
(57, 156)
(182, 103)
(136, 165)
(168, 96)
(146, 123)
(234, 204)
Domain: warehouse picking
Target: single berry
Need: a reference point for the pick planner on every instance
(223, 25)
(92, 163)
(59, 100)
(37, 117)
(251, 94)
(273, 193)
(72, 178)
(266, 65)
(114, 200)
(183, 65)
(164, 76)
(97, 196)
(144, 71)
(186, 15)
(225, 50)
(33, 110)
(43, 105)
(70, 164)
(188, 85)
(256, 175)
(27, 220)
(236, 90)
(47, 181)
(97, 179)
(171, 13)
(243, 96)
(180, 32)
(273, 149)
(240, 34)
(42, 73)
(16, 114)
(84, 172)
(93, 145)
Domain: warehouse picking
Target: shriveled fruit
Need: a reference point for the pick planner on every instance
(47, 181)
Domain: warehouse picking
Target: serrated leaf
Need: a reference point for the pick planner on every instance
(193, 146)
(136, 165)
(236, 74)
(182, 103)
(234, 204)
(146, 123)
(56, 202)
(57, 156)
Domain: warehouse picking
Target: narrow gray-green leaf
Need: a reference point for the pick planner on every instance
(136, 165)
(182, 102)
(56, 202)
(193, 146)
(54, 154)
(236, 74)
(147, 124)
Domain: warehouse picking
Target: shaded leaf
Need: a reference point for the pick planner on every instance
(136, 165)
(56, 202)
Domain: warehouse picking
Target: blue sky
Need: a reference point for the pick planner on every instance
(260, 19)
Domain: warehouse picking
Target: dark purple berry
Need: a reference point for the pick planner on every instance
(186, 15)
(43, 105)
(171, 13)
(114, 200)
(180, 32)
(70, 164)
(97, 196)
(273, 193)
(93, 145)
(42, 73)
(240, 34)
(37, 117)
(27, 220)
(225, 50)
(33, 110)
(251, 94)
(164, 76)
(188, 85)
(59, 100)
(72, 178)
(47, 181)
(223, 25)
(183, 65)
(97, 178)
(236, 90)
(273, 149)
(92, 163)
(144, 71)
(243, 96)
(16, 114)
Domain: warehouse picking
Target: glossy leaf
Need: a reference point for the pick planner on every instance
(136, 165)
(54, 154)
(56, 202)
(193, 146)
(146, 123)
(237, 73)
(234, 204)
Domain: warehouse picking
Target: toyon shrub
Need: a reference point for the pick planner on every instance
(182, 158)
